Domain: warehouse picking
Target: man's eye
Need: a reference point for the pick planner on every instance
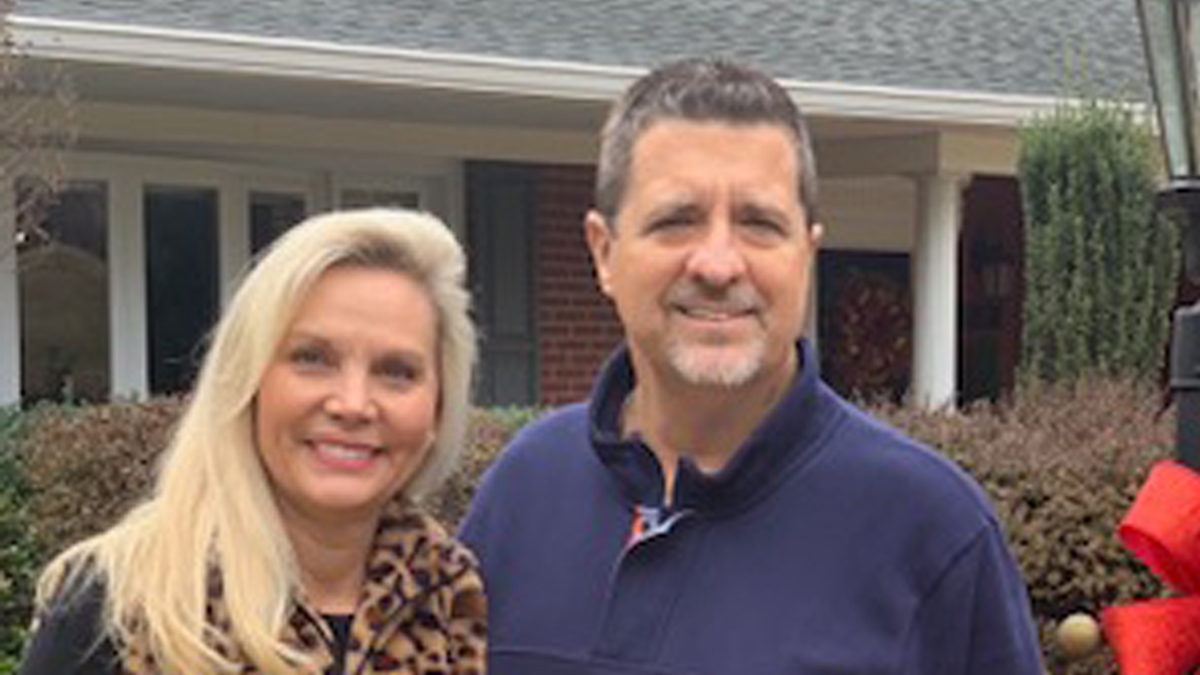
(669, 223)
(765, 225)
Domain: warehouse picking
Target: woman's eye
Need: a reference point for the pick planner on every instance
(399, 371)
(308, 356)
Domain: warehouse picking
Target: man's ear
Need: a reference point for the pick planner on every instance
(816, 232)
(600, 241)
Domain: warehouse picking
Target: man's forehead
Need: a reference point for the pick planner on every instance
(677, 144)
(670, 196)
(683, 157)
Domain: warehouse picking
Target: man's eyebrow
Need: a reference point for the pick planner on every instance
(760, 208)
(755, 204)
(673, 206)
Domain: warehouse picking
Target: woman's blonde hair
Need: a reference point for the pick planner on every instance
(212, 509)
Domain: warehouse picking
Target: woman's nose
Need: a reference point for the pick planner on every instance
(350, 398)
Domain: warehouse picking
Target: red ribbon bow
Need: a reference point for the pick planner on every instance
(1162, 637)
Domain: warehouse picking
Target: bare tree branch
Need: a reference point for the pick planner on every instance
(37, 125)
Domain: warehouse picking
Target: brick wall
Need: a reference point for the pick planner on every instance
(577, 326)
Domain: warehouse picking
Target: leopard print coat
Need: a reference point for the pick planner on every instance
(422, 612)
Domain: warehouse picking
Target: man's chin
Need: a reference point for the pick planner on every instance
(716, 366)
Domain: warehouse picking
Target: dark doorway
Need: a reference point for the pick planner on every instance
(991, 287)
(865, 323)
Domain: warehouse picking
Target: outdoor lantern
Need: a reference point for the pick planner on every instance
(1171, 31)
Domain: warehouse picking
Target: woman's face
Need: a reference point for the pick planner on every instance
(347, 408)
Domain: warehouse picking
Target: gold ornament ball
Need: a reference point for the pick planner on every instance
(1078, 636)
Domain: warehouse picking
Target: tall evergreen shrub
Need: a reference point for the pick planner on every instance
(1100, 265)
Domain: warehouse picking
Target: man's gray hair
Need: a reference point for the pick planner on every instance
(698, 90)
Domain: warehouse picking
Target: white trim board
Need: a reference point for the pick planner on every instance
(92, 42)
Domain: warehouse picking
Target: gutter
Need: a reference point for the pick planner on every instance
(152, 47)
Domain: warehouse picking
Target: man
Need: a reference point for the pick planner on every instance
(714, 509)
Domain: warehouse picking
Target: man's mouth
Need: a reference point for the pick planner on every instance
(714, 314)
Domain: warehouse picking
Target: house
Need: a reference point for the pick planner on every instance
(208, 127)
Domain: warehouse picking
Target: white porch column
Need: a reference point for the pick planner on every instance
(127, 289)
(322, 190)
(456, 199)
(10, 310)
(233, 239)
(935, 291)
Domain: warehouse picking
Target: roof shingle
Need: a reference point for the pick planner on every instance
(1009, 47)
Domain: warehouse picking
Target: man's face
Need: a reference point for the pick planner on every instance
(709, 260)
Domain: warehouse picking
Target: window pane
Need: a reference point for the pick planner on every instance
(272, 214)
(63, 279)
(357, 198)
(181, 281)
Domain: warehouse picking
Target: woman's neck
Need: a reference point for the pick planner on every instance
(332, 558)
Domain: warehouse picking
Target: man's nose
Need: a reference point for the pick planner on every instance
(717, 259)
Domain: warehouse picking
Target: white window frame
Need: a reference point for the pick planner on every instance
(438, 184)
(127, 179)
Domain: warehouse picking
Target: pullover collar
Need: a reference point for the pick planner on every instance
(789, 436)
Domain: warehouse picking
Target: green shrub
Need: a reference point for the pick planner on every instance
(87, 466)
(19, 555)
(491, 428)
(1061, 463)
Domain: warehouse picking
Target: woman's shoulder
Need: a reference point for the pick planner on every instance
(68, 636)
(438, 582)
(415, 557)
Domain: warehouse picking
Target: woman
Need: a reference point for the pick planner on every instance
(282, 535)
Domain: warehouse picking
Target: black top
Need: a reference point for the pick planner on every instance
(339, 625)
(69, 640)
